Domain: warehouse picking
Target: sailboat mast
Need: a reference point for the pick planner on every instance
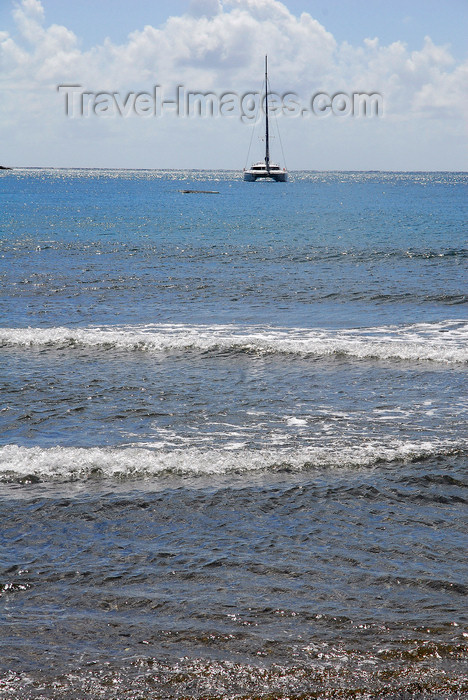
(267, 137)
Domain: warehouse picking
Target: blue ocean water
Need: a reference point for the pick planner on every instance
(233, 435)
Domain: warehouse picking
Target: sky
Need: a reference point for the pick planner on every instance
(411, 56)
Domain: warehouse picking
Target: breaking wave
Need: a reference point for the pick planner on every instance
(64, 464)
(444, 342)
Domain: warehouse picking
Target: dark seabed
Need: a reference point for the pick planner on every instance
(233, 436)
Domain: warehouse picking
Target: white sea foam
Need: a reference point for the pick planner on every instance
(292, 421)
(445, 342)
(80, 464)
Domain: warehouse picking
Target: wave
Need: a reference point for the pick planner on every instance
(195, 252)
(64, 464)
(444, 342)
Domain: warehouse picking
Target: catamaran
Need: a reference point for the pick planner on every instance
(266, 169)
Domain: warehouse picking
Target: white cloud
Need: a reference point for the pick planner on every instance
(207, 8)
(219, 45)
(29, 17)
(446, 94)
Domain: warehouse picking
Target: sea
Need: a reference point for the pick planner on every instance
(233, 435)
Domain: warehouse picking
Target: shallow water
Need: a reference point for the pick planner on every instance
(233, 435)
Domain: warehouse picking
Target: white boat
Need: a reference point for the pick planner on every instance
(266, 169)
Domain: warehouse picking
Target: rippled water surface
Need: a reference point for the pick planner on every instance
(233, 435)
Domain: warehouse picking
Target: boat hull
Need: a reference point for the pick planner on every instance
(280, 176)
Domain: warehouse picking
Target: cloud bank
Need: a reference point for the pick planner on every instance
(219, 45)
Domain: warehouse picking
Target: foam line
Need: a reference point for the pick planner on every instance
(445, 342)
(64, 464)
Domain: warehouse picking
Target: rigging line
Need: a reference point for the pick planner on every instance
(250, 144)
(277, 130)
(281, 144)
